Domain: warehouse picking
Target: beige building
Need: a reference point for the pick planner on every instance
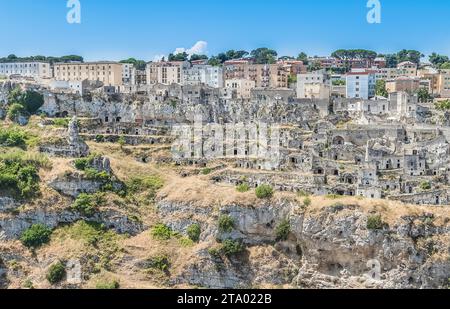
(403, 84)
(407, 68)
(109, 73)
(443, 84)
(166, 72)
(264, 75)
(240, 87)
(314, 85)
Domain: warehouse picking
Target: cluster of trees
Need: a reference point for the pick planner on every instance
(392, 60)
(260, 55)
(440, 61)
(138, 64)
(347, 54)
(69, 58)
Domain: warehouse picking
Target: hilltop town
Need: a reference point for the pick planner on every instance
(244, 169)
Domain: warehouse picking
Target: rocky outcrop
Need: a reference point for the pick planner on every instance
(74, 184)
(329, 247)
(13, 226)
(72, 147)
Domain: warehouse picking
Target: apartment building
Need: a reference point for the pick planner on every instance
(294, 67)
(138, 77)
(127, 73)
(360, 84)
(37, 70)
(315, 85)
(407, 68)
(211, 76)
(240, 87)
(166, 72)
(387, 73)
(264, 75)
(403, 84)
(107, 72)
(443, 83)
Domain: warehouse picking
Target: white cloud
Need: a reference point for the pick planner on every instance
(159, 58)
(198, 48)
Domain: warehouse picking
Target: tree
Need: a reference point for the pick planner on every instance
(409, 55)
(303, 57)
(314, 66)
(179, 57)
(196, 57)
(214, 61)
(380, 88)
(284, 58)
(445, 66)
(437, 60)
(138, 64)
(391, 60)
(423, 95)
(264, 55)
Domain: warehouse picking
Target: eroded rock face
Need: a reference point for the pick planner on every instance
(74, 184)
(330, 248)
(12, 227)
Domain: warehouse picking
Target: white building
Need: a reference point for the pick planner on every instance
(360, 84)
(127, 73)
(211, 76)
(315, 85)
(26, 69)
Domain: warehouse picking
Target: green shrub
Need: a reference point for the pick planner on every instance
(226, 224)
(425, 186)
(264, 191)
(61, 122)
(107, 285)
(13, 137)
(282, 230)
(307, 202)
(87, 204)
(36, 236)
(333, 196)
(374, 222)
(56, 273)
(93, 174)
(81, 164)
(162, 232)
(206, 171)
(19, 174)
(214, 252)
(153, 183)
(99, 138)
(15, 110)
(243, 188)
(122, 141)
(231, 247)
(160, 262)
(194, 232)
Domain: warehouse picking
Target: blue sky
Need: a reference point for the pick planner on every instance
(116, 29)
